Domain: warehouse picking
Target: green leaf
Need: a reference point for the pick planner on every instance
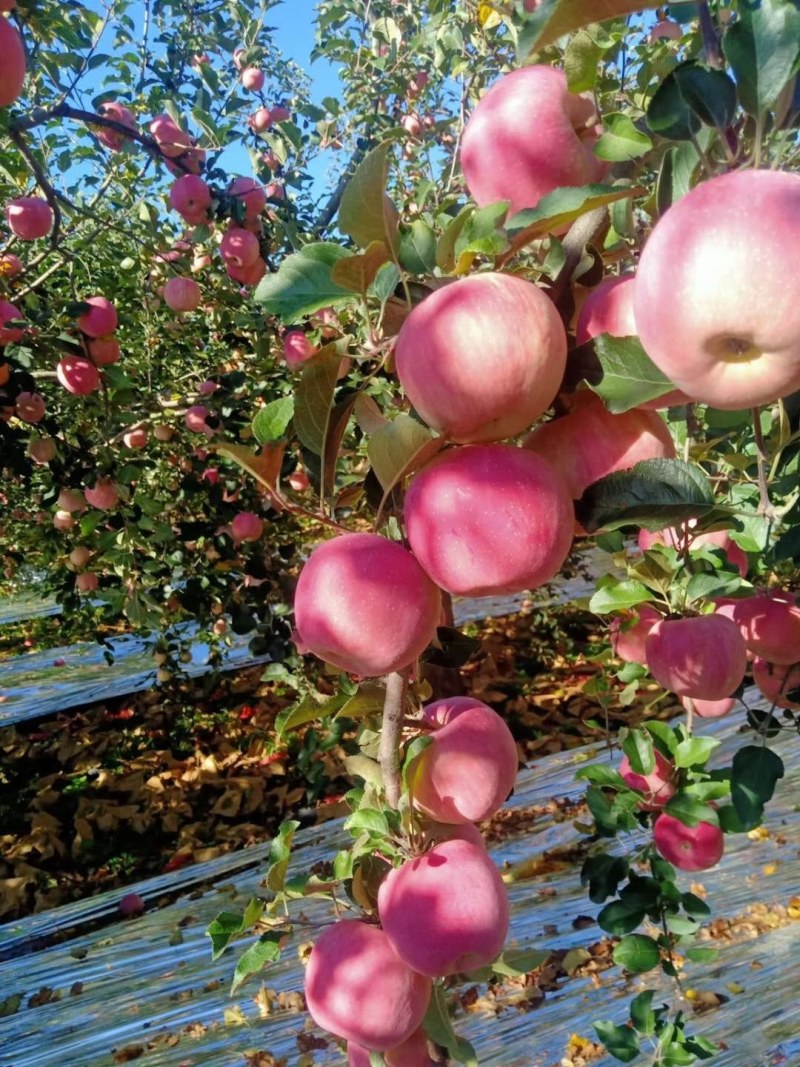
(367, 700)
(582, 62)
(394, 447)
(691, 811)
(222, 930)
(620, 139)
(601, 774)
(638, 747)
(414, 750)
(314, 398)
(642, 1015)
(438, 1025)
(637, 953)
(617, 594)
(271, 421)
(365, 214)
(483, 233)
(417, 250)
(654, 494)
(755, 772)
(676, 176)
(556, 18)
(694, 751)
(763, 47)
(445, 246)
(710, 94)
(629, 375)
(703, 586)
(265, 950)
(702, 955)
(603, 875)
(668, 113)
(619, 918)
(311, 708)
(369, 820)
(457, 648)
(621, 1041)
(252, 913)
(280, 849)
(303, 283)
(514, 963)
(562, 207)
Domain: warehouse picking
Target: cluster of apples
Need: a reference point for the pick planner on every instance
(443, 911)
(98, 323)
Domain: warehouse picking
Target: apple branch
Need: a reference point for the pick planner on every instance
(394, 707)
(765, 507)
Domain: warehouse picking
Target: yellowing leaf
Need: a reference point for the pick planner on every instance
(265, 466)
(555, 18)
(359, 272)
(488, 18)
(394, 446)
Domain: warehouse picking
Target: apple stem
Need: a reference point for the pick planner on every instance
(765, 505)
(394, 705)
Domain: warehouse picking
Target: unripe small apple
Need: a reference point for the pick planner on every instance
(358, 988)
(103, 495)
(12, 71)
(131, 905)
(10, 265)
(104, 350)
(246, 526)
(78, 375)
(113, 139)
(10, 334)
(136, 438)
(252, 195)
(42, 450)
(30, 407)
(253, 79)
(100, 319)
(29, 217)
(489, 519)
(689, 848)
(446, 911)
(702, 656)
(299, 481)
(658, 786)
(182, 294)
(86, 582)
(364, 604)
(239, 247)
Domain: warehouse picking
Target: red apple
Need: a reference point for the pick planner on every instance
(42, 450)
(10, 334)
(260, 120)
(358, 988)
(249, 275)
(470, 767)
(246, 526)
(677, 537)
(100, 319)
(702, 656)
(589, 442)
(470, 376)
(698, 316)
(70, 500)
(689, 848)
(710, 709)
(412, 125)
(299, 481)
(658, 786)
(239, 247)
(275, 191)
(489, 519)
(196, 419)
(12, 69)
(80, 556)
(29, 217)
(191, 198)
(113, 139)
(253, 79)
(446, 911)
(135, 438)
(78, 375)
(182, 294)
(777, 682)
(252, 195)
(30, 407)
(365, 605)
(63, 520)
(297, 349)
(86, 582)
(103, 495)
(170, 138)
(279, 113)
(103, 350)
(629, 644)
(163, 433)
(770, 625)
(527, 136)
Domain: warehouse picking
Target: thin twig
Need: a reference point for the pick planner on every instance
(765, 504)
(394, 706)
